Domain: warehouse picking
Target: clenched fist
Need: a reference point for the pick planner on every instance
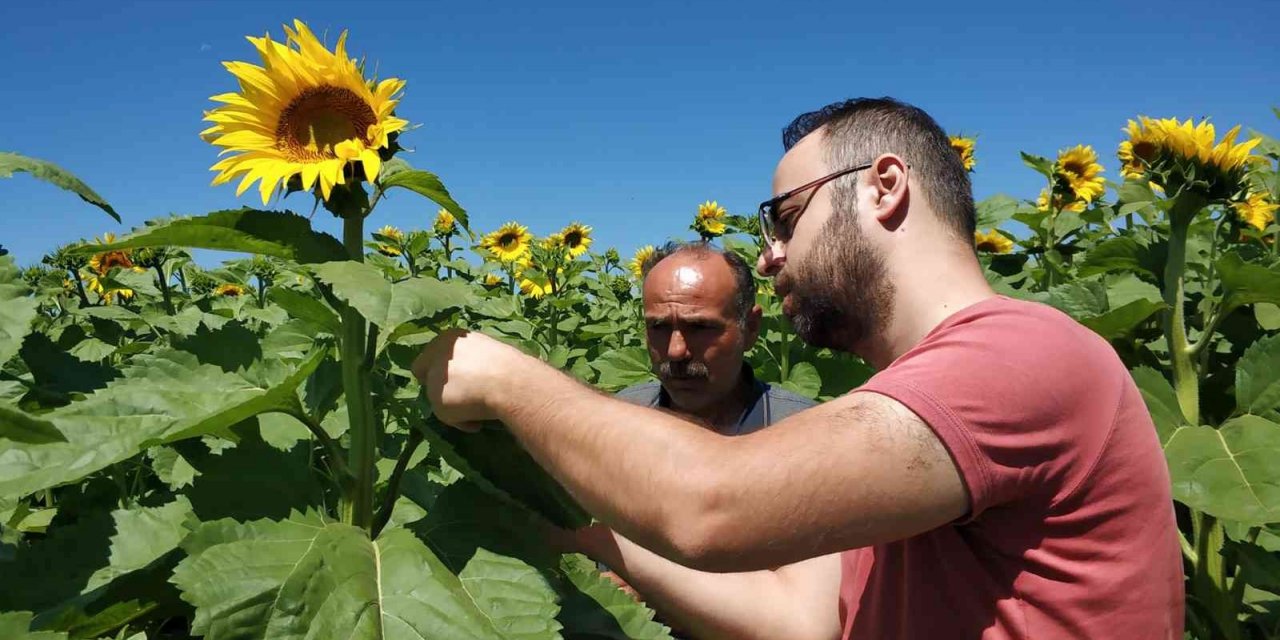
(467, 375)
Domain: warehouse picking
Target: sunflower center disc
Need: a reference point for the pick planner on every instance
(320, 118)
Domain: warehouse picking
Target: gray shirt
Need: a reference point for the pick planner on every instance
(768, 404)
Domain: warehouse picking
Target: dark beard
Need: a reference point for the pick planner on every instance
(682, 370)
(840, 294)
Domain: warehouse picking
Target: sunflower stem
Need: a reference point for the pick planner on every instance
(164, 290)
(393, 485)
(84, 297)
(357, 507)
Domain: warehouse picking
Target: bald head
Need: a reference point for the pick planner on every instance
(696, 332)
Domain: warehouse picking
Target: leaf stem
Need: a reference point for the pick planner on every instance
(393, 484)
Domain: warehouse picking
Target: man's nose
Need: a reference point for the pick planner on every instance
(771, 259)
(677, 348)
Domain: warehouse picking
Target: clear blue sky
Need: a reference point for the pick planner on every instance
(621, 115)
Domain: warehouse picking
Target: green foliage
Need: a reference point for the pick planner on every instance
(55, 175)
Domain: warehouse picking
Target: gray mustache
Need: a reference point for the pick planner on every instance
(682, 370)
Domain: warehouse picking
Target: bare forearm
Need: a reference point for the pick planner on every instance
(799, 602)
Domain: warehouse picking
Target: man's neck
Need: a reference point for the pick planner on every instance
(923, 303)
(723, 416)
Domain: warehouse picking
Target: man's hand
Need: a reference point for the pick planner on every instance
(465, 373)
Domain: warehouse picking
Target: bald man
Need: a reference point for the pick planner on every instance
(701, 318)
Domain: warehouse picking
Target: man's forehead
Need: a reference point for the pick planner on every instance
(802, 163)
(689, 280)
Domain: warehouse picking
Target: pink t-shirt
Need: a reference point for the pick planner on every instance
(1071, 530)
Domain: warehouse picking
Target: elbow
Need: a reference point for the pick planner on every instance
(702, 530)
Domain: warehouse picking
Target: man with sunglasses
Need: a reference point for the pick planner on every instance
(999, 477)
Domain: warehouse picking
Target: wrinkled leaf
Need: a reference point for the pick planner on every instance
(1229, 472)
(307, 577)
(17, 309)
(1258, 377)
(1161, 401)
(599, 609)
(1247, 283)
(16, 626)
(389, 305)
(623, 367)
(20, 427)
(803, 380)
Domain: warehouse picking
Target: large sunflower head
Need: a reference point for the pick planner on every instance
(509, 243)
(964, 148)
(1256, 210)
(103, 262)
(576, 238)
(1079, 170)
(305, 114)
(709, 221)
(637, 261)
(1188, 155)
(992, 241)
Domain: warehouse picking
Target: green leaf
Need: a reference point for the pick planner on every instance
(389, 305)
(1258, 377)
(55, 175)
(164, 397)
(270, 233)
(1229, 472)
(305, 307)
(142, 536)
(228, 482)
(1268, 315)
(494, 459)
(1247, 283)
(16, 625)
(17, 309)
(307, 577)
(425, 183)
(20, 427)
(1161, 401)
(1120, 321)
(1040, 164)
(804, 380)
(623, 367)
(1117, 254)
(1258, 567)
(597, 608)
(993, 211)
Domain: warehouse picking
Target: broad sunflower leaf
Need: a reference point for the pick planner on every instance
(269, 233)
(1123, 254)
(55, 175)
(307, 577)
(17, 309)
(804, 380)
(1121, 320)
(20, 427)
(623, 367)
(1258, 567)
(1258, 377)
(597, 608)
(386, 304)
(1229, 472)
(426, 184)
(1040, 164)
(991, 212)
(1161, 401)
(16, 625)
(163, 397)
(494, 460)
(1247, 283)
(305, 307)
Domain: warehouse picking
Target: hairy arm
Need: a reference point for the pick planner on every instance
(798, 601)
(859, 470)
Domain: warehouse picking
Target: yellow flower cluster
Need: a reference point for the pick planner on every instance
(709, 222)
(391, 250)
(992, 241)
(964, 147)
(1174, 153)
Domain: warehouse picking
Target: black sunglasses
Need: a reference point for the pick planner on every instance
(768, 213)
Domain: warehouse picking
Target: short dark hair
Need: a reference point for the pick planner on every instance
(744, 294)
(861, 129)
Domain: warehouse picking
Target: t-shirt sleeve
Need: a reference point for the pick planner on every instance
(1023, 405)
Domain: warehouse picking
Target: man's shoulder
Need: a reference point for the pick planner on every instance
(783, 403)
(645, 393)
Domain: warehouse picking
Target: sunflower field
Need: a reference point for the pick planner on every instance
(242, 451)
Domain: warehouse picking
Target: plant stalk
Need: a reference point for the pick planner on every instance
(357, 503)
(393, 484)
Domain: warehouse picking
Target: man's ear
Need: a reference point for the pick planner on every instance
(888, 177)
(752, 330)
